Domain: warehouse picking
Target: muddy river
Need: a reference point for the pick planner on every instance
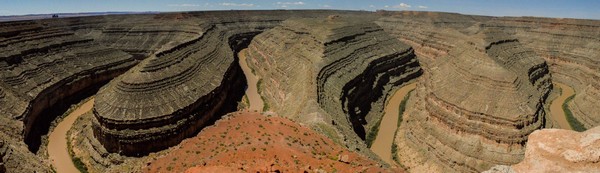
(57, 141)
(256, 102)
(382, 145)
(556, 112)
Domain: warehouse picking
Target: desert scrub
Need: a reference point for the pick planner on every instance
(329, 132)
(575, 124)
(76, 160)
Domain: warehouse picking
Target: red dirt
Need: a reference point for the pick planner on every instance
(251, 142)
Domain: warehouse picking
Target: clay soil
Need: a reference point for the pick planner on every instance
(558, 115)
(251, 142)
(382, 146)
(57, 142)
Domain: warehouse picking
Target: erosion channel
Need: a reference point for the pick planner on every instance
(57, 142)
(382, 146)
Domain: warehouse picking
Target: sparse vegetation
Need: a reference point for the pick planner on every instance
(401, 110)
(373, 133)
(575, 124)
(265, 105)
(76, 160)
(329, 132)
(259, 90)
(79, 164)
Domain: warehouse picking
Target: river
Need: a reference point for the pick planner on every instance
(556, 112)
(256, 102)
(382, 146)
(57, 141)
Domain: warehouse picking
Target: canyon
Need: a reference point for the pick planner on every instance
(164, 84)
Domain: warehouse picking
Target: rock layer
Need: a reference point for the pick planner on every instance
(336, 70)
(41, 67)
(476, 106)
(178, 90)
(569, 46)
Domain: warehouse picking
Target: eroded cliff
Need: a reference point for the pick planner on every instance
(475, 107)
(336, 72)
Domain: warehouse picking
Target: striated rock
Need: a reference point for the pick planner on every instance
(569, 46)
(555, 150)
(178, 90)
(337, 71)
(476, 106)
(43, 67)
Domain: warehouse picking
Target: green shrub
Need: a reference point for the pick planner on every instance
(401, 110)
(373, 133)
(575, 124)
(79, 164)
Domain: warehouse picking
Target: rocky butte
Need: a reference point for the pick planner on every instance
(484, 85)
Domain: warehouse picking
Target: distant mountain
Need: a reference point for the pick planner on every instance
(64, 15)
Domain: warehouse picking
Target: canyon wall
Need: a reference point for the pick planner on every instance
(475, 106)
(43, 68)
(179, 89)
(47, 65)
(481, 94)
(569, 46)
(336, 72)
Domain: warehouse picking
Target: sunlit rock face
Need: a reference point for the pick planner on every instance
(476, 106)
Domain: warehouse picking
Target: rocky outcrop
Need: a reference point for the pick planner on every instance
(554, 150)
(336, 71)
(475, 107)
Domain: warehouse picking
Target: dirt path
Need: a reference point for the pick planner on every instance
(382, 145)
(57, 142)
(256, 103)
(556, 111)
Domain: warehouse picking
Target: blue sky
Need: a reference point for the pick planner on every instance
(589, 9)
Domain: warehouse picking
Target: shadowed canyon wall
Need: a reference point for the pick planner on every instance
(336, 71)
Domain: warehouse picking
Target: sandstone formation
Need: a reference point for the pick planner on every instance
(42, 68)
(178, 90)
(554, 150)
(569, 46)
(46, 65)
(336, 71)
(476, 106)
